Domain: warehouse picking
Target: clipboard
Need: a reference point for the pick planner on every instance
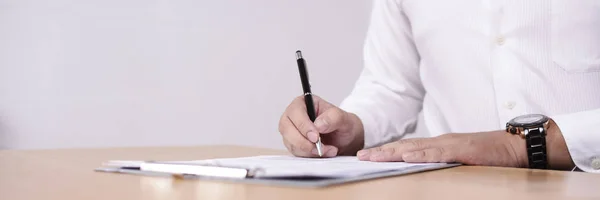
(248, 177)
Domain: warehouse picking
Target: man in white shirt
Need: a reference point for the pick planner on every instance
(471, 66)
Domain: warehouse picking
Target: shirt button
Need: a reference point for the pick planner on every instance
(596, 163)
(510, 105)
(500, 40)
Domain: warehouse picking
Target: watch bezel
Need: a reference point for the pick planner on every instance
(518, 128)
(543, 119)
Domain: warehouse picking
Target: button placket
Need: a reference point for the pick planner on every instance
(503, 68)
(510, 105)
(500, 40)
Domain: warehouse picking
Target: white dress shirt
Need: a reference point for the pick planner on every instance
(473, 65)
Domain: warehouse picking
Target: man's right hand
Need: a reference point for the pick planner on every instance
(341, 131)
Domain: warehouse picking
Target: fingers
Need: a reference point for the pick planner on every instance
(330, 120)
(295, 127)
(298, 116)
(297, 144)
(300, 134)
(300, 150)
(442, 155)
(329, 151)
(394, 151)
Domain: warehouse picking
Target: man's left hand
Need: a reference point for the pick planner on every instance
(495, 148)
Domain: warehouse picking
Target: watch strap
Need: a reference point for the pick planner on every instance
(536, 148)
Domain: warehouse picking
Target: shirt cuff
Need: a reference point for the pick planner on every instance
(581, 131)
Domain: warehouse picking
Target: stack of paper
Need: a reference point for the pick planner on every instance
(290, 166)
(280, 170)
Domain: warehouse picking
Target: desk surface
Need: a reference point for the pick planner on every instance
(68, 174)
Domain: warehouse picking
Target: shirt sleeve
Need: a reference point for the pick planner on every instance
(388, 95)
(581, 131)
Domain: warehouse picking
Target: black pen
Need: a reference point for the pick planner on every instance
(308, 100)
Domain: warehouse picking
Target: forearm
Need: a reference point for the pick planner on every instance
(556, 148)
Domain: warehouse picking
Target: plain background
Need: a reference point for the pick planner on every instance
(109, 73)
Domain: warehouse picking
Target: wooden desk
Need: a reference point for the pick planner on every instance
(69, 175)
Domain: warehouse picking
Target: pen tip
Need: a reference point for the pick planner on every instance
(319, 146)
(298, 54)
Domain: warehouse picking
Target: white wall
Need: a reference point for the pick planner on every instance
(104, 73)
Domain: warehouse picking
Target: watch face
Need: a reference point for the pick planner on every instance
(530, 119)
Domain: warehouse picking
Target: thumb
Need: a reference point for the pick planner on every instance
(330, 120)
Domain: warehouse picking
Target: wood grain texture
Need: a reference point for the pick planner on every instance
(67, 174)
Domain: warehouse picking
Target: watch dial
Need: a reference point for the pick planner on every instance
(527, 119)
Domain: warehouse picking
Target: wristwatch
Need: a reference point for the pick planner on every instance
(532, 128)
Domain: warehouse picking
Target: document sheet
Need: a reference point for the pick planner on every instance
(296, 167)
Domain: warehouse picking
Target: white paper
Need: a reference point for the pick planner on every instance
(290, 166)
